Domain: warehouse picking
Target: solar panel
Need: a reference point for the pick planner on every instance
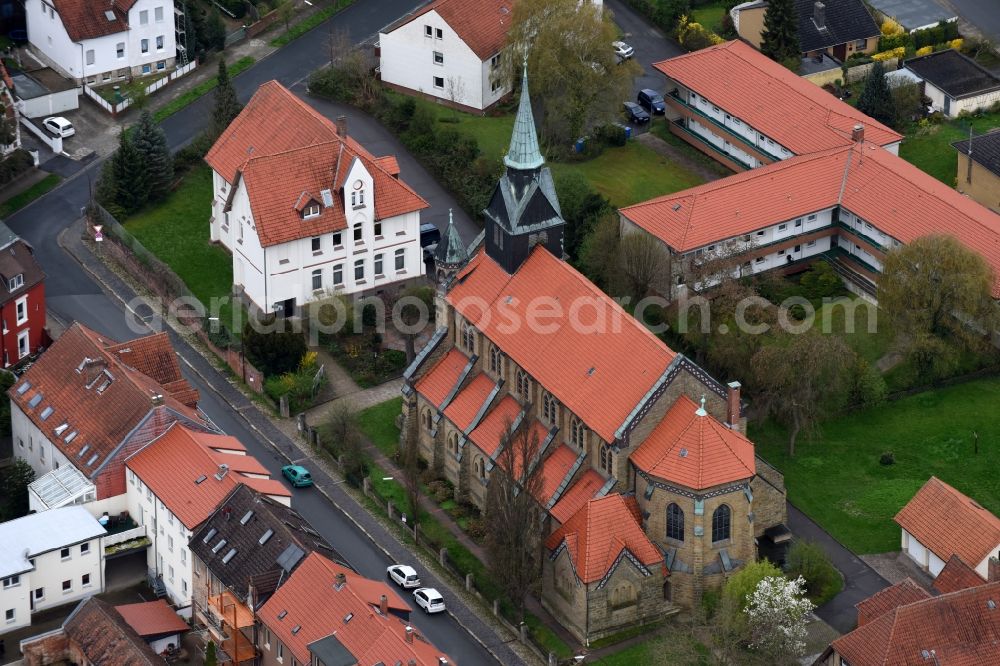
(290, 557)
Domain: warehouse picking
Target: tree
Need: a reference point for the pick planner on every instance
(14, 483)
(513, 514)
(776, 614)
(343, 437)
(600, 254)
(411, 478)
(210, 654)
(807, 560)
(578, 82)
(227, 105)
(286, 10)
(876, 98)
(415, 303)
(645, 264)
(780, 38)
(581, 207)
(273, 352)
(800, 378)
(741, 585)
(7, 379)
(456, 93)
(938, 288)
(907, 102)
(151, 144)
(131, 186)
(8, 127)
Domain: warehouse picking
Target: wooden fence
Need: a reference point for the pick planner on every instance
(117, 107)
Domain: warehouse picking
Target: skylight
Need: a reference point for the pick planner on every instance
(296, 629)
(211, 533)
(110, 15)
(246, 518)
(230, 555)
(219, 546)
(201, 478)
(60, 429)
(93, 459)
(70, 437)
(86, 447)
(37, 398)
(47, 412)
(282, 614)
(23, 388)
(267, 535)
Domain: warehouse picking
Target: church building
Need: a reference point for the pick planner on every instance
(650, 490)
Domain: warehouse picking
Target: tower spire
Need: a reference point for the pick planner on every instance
(523, 153)
(451, 254)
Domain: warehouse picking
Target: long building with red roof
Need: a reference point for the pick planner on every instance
(538, 375)
(839, 191)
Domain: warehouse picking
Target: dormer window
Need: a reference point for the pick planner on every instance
(15, 282)
(310, 211)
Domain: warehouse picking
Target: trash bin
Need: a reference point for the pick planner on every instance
(580, 144)
(628, 131)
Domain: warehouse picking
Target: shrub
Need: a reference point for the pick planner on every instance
(898, 52)
(476, 528)
(742, 584)
(924, 50)
(193, 153)
(611, 134)
(275, 352)
(694, 36)
(868, 387)
(808, 560)
(821, 281)
(14, 165)
(887, 459)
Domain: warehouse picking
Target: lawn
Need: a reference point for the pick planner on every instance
(871, 345)
(838, 481)
(709, 15)
(130, 88)
(176, 231)
(302, 27)
(378, 423)
(625, 175)
(930, 148)
(22, 199)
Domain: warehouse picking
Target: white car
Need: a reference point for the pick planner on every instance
(404, 576)
(429, 599)
(59, 126)
(623, 50)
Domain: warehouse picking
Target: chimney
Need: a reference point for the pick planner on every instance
(409, 634)
(858, 135)
(993, 574)
(157, 399)
(227, 512)
(819, 15)
(342, 126)
(383, 605)
(340, 581)
(223, 470)
(733, 408)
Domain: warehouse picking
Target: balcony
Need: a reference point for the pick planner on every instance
(226, 617)
(707, 146)
(125, 542)
(739, 138)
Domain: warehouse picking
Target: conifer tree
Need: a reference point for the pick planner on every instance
(151, 144)
(780, 38)
(130, 178)
(227, 105)
(876, 97)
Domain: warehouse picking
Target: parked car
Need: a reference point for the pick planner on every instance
(429, 599)
(59, 126)
(429, 234)
(623, 50)
(636, 113)
(404, 576)
(652, 101)
(297, 475)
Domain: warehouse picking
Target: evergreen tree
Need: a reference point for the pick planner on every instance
(227, 105)
(151, 144)
(131, 183)
(876, 97)
(780, 38)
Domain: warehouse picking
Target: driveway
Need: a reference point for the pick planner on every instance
(860, 580)
(649, 42)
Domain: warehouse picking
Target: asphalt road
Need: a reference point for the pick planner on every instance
(73, 295)
(984, 14)
(650, 44)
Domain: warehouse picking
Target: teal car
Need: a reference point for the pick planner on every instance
(297, 475)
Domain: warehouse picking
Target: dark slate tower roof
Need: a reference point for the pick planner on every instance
(524, 209)
(451, 251)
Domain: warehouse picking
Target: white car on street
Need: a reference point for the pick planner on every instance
(59, 126)
(623, 50)
(429, 599)
(404, 576)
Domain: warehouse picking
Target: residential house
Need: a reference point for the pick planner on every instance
(939, 522)
(46, 560)
(156, 623)
(957, 575)
(840, 28)
(593, 390)
(829, 203)
(305, 210)
(22, 299)
(98, 43)
(905, 625)
(89, 402)
(745, 110)
(327, 614)
(955, 82)
(94, 633)
(174, 484)
(978, 172)
(449, 50)
(915, 15)
(263, 541)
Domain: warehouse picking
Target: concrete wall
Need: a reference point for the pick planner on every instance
(984, 186)
(750, 24)
(51, 104)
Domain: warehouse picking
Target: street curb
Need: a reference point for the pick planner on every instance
(264, 438)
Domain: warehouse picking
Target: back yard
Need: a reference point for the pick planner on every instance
(929, 147)
(838, 480)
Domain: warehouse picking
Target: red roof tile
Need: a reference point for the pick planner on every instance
(481, 24)
(950, 523)
(172, 464)
(962, 629)
(555, 467)
(602, 383)
(464, 407)
(583, 489)
(904, 592)
(694, 451)
(284, 148)
(772, 99)
(84, 19)
(438, 383)
(152, 618)
(597, 534)
(885, 190)
(956, 575)
(101, 419)
(493, 427)
(311, 603)
(104, 638)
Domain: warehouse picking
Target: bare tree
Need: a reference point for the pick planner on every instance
(411, 477)
(456, 93)
(645, 264)
(724, 263)
(342, 437)
(513, 516)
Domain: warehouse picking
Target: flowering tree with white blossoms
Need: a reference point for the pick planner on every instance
(776, 614)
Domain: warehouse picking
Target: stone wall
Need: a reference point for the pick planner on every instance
(628, 599)
(770, 505)
(564, 595)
